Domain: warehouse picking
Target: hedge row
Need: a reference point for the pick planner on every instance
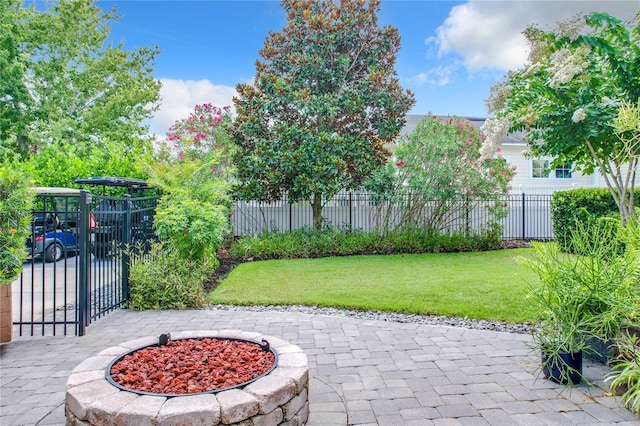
(581, 205)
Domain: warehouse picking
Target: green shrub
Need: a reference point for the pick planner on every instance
(163, 279)
(582, 297)
(196, 228)
(588, 205)
(304, 243)
(16, 203)
(625, 372)
(60, 163)
(193, 212)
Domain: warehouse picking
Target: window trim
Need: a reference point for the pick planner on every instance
(552, 171)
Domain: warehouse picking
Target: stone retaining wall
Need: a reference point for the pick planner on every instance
(279, 398)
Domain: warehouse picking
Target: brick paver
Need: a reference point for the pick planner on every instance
(363, 372)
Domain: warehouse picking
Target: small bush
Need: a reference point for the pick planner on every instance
(588, 206)
(163, 279)
(16, 202)
(304, 243)
(625, 374)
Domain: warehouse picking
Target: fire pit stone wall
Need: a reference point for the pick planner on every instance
(280, 397)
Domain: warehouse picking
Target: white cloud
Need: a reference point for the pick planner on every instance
(487, 34)
(438, 76)
(178, 97)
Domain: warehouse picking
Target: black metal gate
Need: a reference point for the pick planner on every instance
(79, 263)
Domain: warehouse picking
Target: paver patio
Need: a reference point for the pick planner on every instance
(363, 371)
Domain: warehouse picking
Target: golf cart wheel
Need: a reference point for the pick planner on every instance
(53, 252)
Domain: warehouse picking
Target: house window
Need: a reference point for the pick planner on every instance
(539, 169)
(563, 172)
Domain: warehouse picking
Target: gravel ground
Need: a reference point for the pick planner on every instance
(388, 316)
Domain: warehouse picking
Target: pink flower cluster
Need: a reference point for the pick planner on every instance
(189, 134)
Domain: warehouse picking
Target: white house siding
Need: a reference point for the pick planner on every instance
(523, 179)
(524, 182)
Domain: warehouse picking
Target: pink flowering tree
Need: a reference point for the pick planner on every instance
(193, 175)
(441, 167)
(203, 133)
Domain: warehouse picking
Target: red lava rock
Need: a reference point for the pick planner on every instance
(192, 366)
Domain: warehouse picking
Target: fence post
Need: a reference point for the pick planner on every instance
(350, 212)
(126, 241)
(290, 215)
(84, 258)
(466, 215)
(524, 215)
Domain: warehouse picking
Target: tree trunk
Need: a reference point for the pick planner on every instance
(23, 143)
(316, 207)
(620, 187)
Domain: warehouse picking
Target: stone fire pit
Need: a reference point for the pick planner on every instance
(281, 396)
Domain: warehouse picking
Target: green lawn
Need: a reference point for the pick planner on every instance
(480, 285)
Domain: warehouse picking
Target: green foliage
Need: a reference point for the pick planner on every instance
(165, 279)
(568, 208)
(206, 129)
(569, 95)
(625, 372)
(441, 159)
(12, 69)
(438, 162)
(60, 163)
(305, 243)
(382, 185)
(326, 100)
(193, 212)
(66, 80)
(16, 201)
(196, 228)
(579, 297)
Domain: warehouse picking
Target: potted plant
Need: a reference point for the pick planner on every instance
(580, 297)
(560, 337)
(16, 200)
(625, 374)
(561, 345)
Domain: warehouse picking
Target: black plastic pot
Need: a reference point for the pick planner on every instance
(563, 368)
(600, 351)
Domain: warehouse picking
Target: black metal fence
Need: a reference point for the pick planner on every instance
(80, 245)
(79, 260)
(123, 224)
(528, 215)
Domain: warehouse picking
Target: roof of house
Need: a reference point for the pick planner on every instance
(515, 138)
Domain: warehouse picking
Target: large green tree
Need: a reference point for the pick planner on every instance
(324, 103)
(61, 78)
(568, 96)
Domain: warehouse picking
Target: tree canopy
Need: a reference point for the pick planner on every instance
(324, 103)
(440, 176)
(193, 174)
(61, 78)
(569, 94)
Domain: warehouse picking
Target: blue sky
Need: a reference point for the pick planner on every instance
(452, 51)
